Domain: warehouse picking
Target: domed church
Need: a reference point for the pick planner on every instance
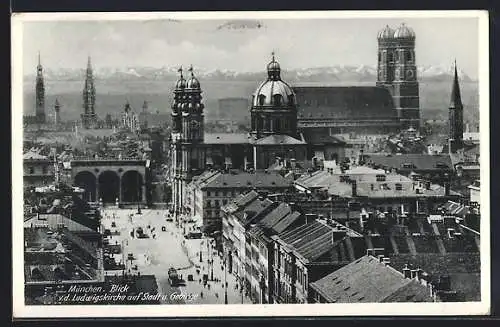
(274, 121)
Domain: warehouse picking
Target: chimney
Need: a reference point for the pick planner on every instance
(427, 185)
(413, 273)
(310, 217)
(293, 163)
(354, 188)
(446, 189)
(406, 272)
(370, 252)
(386, 261)
(380, 257)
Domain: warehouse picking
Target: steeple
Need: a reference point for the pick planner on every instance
(89, 117)
(456, 99)
(57, 115)
(456, 114)
(40, 93)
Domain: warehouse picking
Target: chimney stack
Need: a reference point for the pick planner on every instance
(413, 273)
(386, 261)
(406, 272)
(446, 189)
(370, 252)
(420, 273)
(354, 188)
(380, 257)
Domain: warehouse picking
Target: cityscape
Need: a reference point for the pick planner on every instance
(268, 190)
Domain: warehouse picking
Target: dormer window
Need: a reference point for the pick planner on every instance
(441, 165)
(277, 99)
(408, 165)
(380, 178)
(262, 99)
(399, 187)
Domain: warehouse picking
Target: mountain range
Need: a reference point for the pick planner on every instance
(338, 73)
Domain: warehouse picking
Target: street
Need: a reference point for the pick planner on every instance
(161, 249)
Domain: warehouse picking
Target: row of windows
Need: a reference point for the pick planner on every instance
(31, 170)
(390, 56)
(277, 100)
(222, 193)
(215, 203)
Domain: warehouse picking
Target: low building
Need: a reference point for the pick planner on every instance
(258, 237)
(209, 192)
(373, 280)
(303, 255)
(38, 170)
(238, 216)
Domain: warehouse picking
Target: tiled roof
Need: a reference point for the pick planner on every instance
(278, 139)
(369, 280)
(347, 102)
(419, 161)
(227, 138)
(248, 180)
(252, 210)
(310, 240)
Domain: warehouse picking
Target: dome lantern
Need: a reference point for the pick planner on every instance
(273, 69)
(192, 82)
(404, 32)
(181, 83)
(386, 33)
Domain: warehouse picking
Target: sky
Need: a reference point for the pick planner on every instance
(242, 45)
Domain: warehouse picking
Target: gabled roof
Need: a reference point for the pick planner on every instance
(369, 280)
(279, 139)
(344, 102)
(311, 240)
(419, 161)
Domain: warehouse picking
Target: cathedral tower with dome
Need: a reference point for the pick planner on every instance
(188, 151)
(397, 71)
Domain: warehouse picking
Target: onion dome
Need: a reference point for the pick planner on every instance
(386, 33)
(181, 83)
(192, 82)
(404, 32)
(273, 91)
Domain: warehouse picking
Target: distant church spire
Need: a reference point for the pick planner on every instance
(89, 117)
(456, 99)
(40, 93)
(456, 114)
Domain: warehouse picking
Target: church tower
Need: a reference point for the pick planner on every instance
(187, 136)
(456, 114)
(57, 115)
(397, 71)
(40, 94)
(89, 117)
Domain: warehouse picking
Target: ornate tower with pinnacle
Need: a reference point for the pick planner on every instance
(456, 114)
(397, 71)
(188, 152)
(40, 94)
(89, 117)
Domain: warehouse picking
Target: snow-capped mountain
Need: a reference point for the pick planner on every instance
(341, 73)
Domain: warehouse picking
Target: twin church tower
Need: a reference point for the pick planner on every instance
(397, 71)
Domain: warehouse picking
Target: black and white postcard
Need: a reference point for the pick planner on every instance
(250, 163)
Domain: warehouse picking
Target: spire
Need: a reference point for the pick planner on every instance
(39, 61)
(56, 104)
(456, 100)
(89, 63)
(180, 71)
(191, 70)
(272, 54)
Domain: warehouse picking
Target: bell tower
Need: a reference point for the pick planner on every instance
(40, 94)
(456, 116)
(89, 117)
(397, 71)
(188, 153)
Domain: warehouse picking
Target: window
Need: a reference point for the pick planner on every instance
(224, 202)
(209, 193)
(408, 56)
(277, 99)
(380, 178)
(32, 170)
(208, 204)
(44, 170)
(291, 99)
(399, 187)
(217, 204)
(390, 56)
(262, 99)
